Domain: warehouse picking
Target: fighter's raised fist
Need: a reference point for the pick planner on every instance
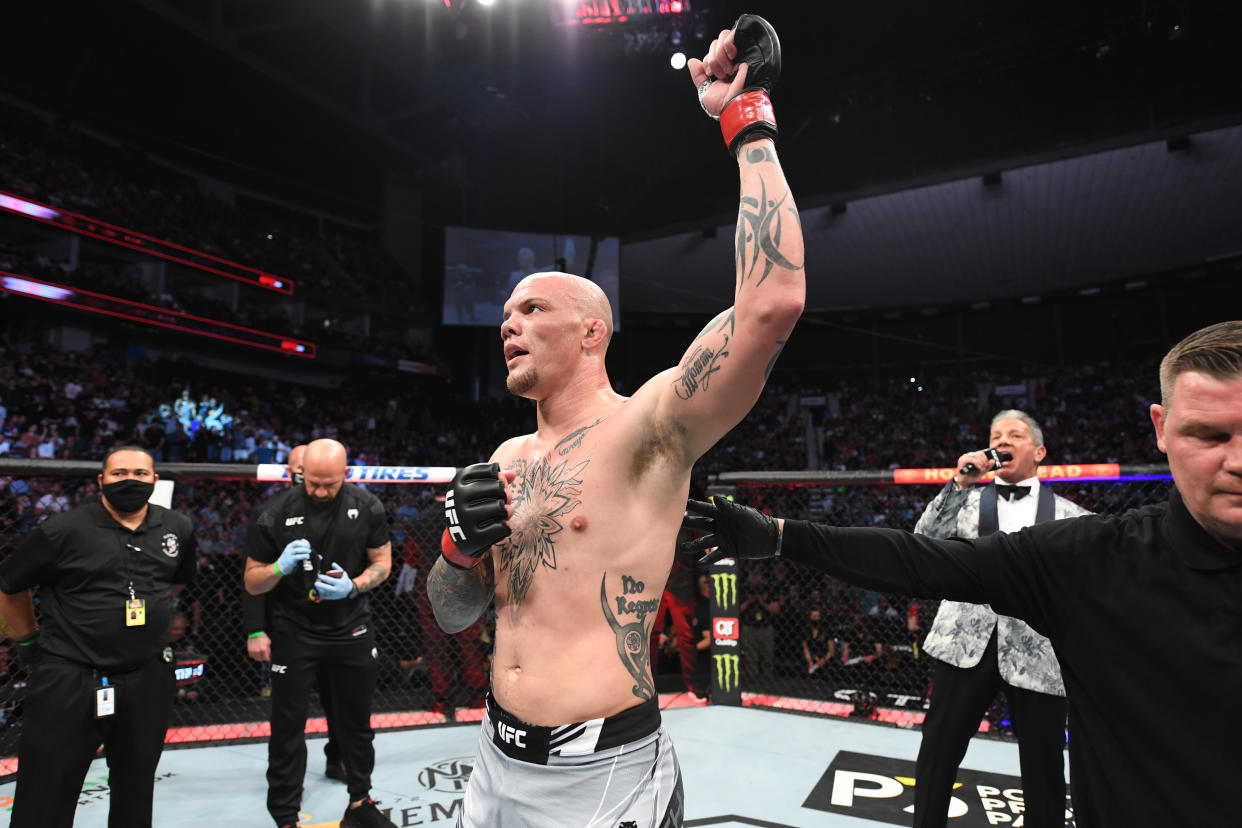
(734, 80)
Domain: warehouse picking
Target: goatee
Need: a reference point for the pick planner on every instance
(522, 382)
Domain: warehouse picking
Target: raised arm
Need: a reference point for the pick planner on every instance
(725, 367)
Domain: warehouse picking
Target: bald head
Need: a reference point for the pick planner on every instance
(586, 296)
(297, 459)
(323, 469)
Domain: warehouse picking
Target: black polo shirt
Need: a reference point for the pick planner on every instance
(1144, 611)
(339, 532)
(83, 562)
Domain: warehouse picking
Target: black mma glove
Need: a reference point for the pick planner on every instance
(475, 512)
(735, 531)
(749, 114)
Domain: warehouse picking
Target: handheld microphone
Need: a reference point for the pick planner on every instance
(995, 455)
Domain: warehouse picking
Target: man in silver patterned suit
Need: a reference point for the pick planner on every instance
(978, 651)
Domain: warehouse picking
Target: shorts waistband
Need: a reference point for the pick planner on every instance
(535, 743)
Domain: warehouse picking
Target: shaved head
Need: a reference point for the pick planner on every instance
(297, 458)
(588, 297)
(555, 326)
(324, 469)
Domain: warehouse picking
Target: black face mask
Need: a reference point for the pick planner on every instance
(296, 477)
(128, 496)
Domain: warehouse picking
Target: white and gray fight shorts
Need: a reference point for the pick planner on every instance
(616, 772)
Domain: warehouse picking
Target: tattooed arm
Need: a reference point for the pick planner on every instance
(723, 371)
(459, 596)
(379, 564)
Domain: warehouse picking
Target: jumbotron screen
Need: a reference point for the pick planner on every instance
(481, 268)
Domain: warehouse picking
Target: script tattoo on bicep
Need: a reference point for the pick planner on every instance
(704, 360)
(574, 438)
(759, 231)
(633, 638)
(545, 494)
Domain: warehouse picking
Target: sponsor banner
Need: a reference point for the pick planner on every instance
(726, 634)
(273, 472)
(726, 628)
(1069, 471)
(881, 788)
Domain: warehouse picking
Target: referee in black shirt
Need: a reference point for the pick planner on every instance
(319, 548)
(107, 572)
(1144, 609)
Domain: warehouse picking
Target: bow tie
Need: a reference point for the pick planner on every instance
(1012, 492)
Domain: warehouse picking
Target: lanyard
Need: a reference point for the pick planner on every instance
(129, 572)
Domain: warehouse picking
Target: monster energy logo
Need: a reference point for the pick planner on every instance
(728, 672)
(725, 584)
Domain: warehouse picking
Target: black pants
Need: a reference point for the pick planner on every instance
(331, 748)
(348, 669)
(60, 735)
(960, 697)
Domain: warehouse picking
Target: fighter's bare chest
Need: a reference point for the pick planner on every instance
(558, 498)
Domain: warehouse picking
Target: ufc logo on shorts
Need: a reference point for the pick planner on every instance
(511, 735)
(278, 668)
(454, 527)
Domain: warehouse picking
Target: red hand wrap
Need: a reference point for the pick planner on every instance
(453, 556)
(753, 107)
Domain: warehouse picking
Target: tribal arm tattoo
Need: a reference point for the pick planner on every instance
(780, 346)
(459, 596)
(633, 639)
(760, 222)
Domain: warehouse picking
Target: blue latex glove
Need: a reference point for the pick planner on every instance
(332, 587)
(293, 555)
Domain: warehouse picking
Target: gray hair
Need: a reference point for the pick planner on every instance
(1037, 433)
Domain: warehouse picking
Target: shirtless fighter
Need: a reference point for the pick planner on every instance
(576, 536)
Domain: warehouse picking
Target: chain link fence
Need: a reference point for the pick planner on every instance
(808, 642)
(426, 676)
(812, 643)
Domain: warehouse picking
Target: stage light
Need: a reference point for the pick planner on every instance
(678, 60)
(486, 2)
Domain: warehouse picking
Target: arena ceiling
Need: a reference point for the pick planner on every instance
(508, 120)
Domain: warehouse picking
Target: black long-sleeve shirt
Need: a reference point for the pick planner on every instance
(1144, 611)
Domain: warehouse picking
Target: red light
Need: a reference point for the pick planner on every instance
(675, 7)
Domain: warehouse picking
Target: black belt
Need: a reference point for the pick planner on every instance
(535, 743)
